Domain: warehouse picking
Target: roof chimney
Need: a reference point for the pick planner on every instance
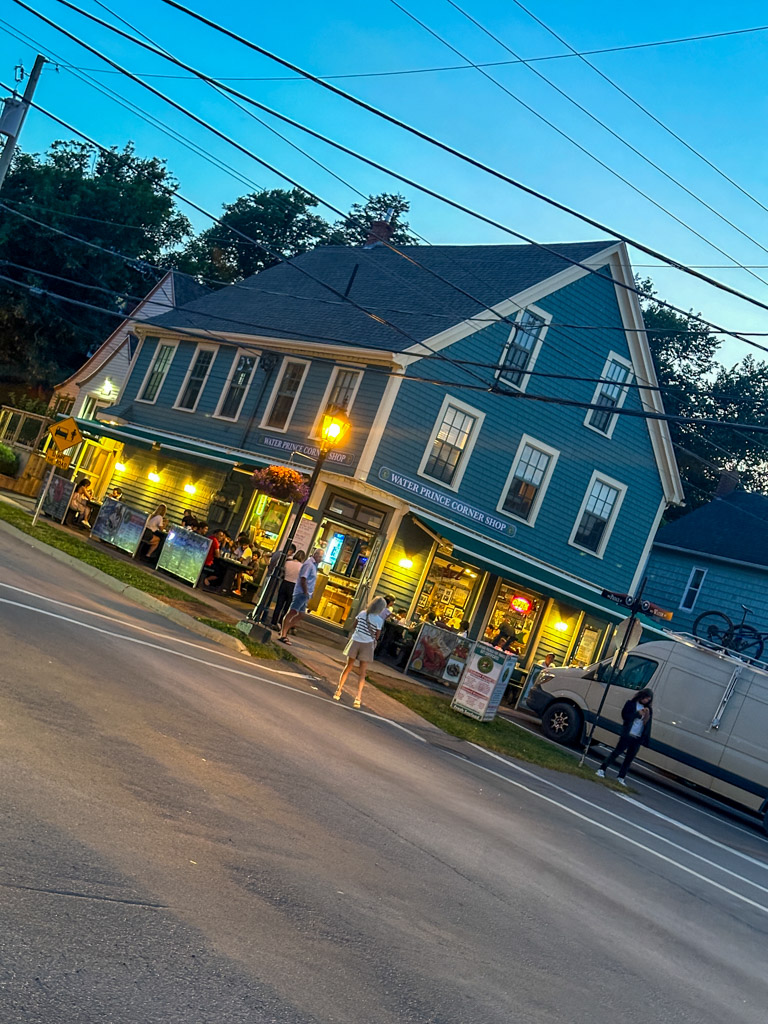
(728, 482)
(380, 231)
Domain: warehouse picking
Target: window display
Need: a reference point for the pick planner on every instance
(513, 618)
(449, 592)
(265, 521)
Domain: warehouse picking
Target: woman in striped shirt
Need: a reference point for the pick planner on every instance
(361, 646)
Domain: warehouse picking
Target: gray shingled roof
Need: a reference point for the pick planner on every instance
(186, 289)
(735, 526)
(283, 302)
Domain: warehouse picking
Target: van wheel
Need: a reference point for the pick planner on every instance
(562, 722)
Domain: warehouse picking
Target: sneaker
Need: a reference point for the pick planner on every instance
(621, 781)
(600, 773)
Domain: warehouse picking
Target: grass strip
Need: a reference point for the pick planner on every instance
(500, 735)
(268, 651)
(129, 574)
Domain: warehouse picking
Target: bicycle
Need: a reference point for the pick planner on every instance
(717, 629)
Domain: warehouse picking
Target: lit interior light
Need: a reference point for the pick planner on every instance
(120, 467)
(154, 477)
(561, 627)
(190, 488)
(406, 563)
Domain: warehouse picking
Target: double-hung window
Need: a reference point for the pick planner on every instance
(609, 395)
(237, 385)
(157, 372)
(692, 589)
(197, 375)
(597, 515)
(522, 349)
(285, 394)
(528, 480)
(340, 393)
(450, 446)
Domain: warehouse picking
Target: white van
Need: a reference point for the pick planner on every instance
(710, 714)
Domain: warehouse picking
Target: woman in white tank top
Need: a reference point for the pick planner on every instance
(361, 646)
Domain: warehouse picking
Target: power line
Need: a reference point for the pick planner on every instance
(516, 396)
(636, 103)
(605, 127)
(425, 189)
(424, 136)
(453, 67)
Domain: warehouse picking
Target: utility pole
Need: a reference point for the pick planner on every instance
(13, 117)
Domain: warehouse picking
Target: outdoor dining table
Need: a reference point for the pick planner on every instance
(227, 569)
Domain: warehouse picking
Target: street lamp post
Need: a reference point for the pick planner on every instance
(333, 430)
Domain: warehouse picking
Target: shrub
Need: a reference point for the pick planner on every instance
(9, 461)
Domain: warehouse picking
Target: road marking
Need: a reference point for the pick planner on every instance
(144, 629)
(210, 664)
(612, 831)
(629, 821)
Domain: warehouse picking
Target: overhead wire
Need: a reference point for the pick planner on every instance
(636, 103)
(602, 124)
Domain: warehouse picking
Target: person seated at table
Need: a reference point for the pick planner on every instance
(244, 552)
(81, 504)
(390, 637)
(155, 530)
(506, 638)
(188, 520)
(116, 493)
(215, 575)
(226, 542)
(464, 627)
(202, 529)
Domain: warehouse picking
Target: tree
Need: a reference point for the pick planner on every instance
(354, 229)
(115, 199)
(695, 383)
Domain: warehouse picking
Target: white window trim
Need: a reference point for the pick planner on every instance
(613, 357)
(222, 398)
(161, 343)
(315, 432)
(466, 453)
(275, 389)
(622, 489)
(553, 454)
(198, 349)
(694, 570)
(547, 318)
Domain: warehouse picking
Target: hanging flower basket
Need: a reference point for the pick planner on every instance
(282, 483)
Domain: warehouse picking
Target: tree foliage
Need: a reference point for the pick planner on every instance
(354, 229)
(114, 199)
(695, 383)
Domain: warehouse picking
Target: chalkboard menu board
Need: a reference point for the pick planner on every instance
(184, 554)
(119, 525)
(57, 498)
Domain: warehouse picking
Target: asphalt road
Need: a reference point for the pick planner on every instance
(189, 836)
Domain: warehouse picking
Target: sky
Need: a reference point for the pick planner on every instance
(709, 92)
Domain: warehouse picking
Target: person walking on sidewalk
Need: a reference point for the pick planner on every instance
(361, 646)
(636, 714)
(290, 578)
(302, 592)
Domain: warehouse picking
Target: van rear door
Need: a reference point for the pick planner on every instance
(744, 761)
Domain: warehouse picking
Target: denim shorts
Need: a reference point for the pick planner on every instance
(299, 602)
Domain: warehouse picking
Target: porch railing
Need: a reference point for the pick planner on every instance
(20, 429)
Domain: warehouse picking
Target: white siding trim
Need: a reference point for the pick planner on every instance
(622, 489)
(341, 368)
(554, 454)
(466, 454)
(613, 357)
(161, 343)
(264, 425)
(200, 347)
(380, 423)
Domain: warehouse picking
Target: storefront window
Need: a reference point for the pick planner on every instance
(513, 618)
(449, 592)
(589, 643)
(265, 521)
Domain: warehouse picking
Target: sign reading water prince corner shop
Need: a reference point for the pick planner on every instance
(447, 501)
(282, 444)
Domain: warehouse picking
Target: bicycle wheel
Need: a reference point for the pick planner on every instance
(714, 627)
(747, 641)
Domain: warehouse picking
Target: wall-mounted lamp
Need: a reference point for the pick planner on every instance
(561, 627)
(406, 563)
(154, 477)
(120, 467)
(190, 489)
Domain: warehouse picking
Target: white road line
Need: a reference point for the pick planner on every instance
(629, 821)
(210, 664)
(613, 832)
(143, 629)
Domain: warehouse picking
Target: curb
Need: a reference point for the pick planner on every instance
(153, 604)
